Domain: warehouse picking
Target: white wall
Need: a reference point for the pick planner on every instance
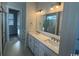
(30, 17)
(69, 23)
(77, 29)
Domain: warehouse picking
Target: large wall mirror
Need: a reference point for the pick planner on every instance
(50, 24)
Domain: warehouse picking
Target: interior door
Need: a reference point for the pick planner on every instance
(4, 29)
(0, 31)
(0, 35)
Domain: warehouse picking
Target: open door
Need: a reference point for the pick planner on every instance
(0, 36)
(2, 28)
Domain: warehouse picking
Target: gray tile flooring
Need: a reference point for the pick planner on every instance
(16, 48)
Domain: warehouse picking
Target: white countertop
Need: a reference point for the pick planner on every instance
(45, 40)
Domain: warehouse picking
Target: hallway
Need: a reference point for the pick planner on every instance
(16, 48)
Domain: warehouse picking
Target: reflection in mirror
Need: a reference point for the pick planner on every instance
(50, 23)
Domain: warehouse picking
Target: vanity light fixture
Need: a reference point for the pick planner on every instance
(58, 4)
(40, 11)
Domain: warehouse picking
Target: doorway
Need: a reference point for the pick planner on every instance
(12, 23)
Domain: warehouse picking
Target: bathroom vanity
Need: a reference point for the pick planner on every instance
(42, 35)
(44, 31)
(40, 45)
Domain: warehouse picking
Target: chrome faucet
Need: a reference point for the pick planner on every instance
(54, 39)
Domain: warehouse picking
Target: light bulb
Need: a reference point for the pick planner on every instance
(41, 12)
(57, 6)
(51, 9)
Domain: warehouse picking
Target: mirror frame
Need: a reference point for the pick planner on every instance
(60, 15)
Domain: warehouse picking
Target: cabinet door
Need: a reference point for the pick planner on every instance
(36, 47)
(36, 51)
(29, 40)
(32, 44)
(41, 49)
(49, 52)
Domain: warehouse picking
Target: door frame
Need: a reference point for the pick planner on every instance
(19, 18)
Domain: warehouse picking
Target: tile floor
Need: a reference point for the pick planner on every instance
(16, 48)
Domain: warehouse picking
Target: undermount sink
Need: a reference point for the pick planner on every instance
(49, 41)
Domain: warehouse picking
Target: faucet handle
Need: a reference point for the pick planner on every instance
(54, 39)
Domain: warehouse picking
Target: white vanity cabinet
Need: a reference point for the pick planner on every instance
(41, 49)
(45, 51)
(31, 43)
(49, 52)
(38, 48)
